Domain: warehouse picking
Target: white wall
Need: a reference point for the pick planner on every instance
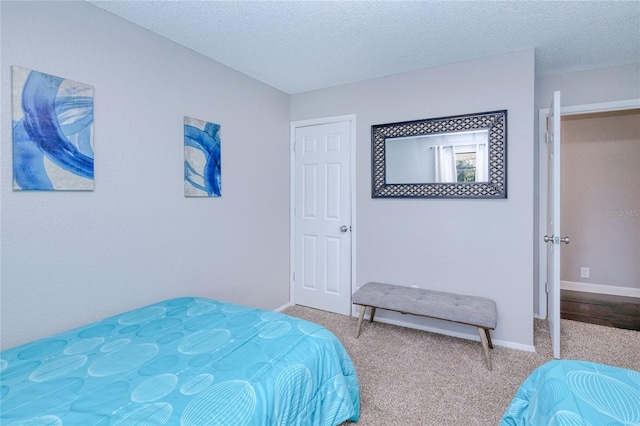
(477, 247)
(72, 257)
(591, 86)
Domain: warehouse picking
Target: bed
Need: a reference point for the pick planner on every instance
(567, 392)
(185, 361)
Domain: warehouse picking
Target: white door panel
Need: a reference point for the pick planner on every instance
(552, 237)
(322, 217)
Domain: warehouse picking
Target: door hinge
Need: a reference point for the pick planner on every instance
(546, 130)
(294, 276)
(546, 288)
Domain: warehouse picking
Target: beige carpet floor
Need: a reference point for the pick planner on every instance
(413, 377)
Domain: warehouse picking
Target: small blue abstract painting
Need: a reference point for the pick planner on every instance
(52, 132)
(201, 158)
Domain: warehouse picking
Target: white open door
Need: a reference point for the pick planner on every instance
(322, 217)
(552, 237)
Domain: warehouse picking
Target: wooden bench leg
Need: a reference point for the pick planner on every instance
(486, 330)
(360, 318)
(373, 312)
(485, 344)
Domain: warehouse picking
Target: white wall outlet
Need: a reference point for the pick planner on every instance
(584, 272)
(415, 286)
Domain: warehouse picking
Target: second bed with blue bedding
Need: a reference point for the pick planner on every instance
(568, 392)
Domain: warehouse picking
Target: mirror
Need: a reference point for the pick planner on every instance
(451, 157)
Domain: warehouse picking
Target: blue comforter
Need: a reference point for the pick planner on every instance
(565, 392)
(187, 361)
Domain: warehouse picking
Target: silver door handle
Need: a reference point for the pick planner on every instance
(344, 228)
(549, 239)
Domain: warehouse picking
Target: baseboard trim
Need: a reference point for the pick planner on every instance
(474, 336)
(600, 288)
(283, 307)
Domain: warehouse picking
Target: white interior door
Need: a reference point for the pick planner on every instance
(322, 217)
(552, 237)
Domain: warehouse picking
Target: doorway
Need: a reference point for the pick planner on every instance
(322, 213)
(601, 211)
(569, 281)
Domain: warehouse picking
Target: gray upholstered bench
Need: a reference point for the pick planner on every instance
(471, 310)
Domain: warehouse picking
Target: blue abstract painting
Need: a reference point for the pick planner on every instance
(202, 170)
(52, 132)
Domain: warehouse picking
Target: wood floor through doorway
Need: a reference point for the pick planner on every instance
(601, 309)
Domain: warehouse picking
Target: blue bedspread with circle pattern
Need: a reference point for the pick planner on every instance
(186, 361)
(567, 392)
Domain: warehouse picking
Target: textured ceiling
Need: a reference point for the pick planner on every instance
(298, 46)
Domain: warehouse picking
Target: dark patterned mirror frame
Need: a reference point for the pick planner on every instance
(496, 187)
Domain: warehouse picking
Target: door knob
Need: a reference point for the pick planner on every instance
(550, 239)
(344, 228)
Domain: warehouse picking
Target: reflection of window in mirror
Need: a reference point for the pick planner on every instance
(461, 163)
(465, 163)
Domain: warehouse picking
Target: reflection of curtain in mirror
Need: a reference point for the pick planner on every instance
(482, 163)
(445, 164)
